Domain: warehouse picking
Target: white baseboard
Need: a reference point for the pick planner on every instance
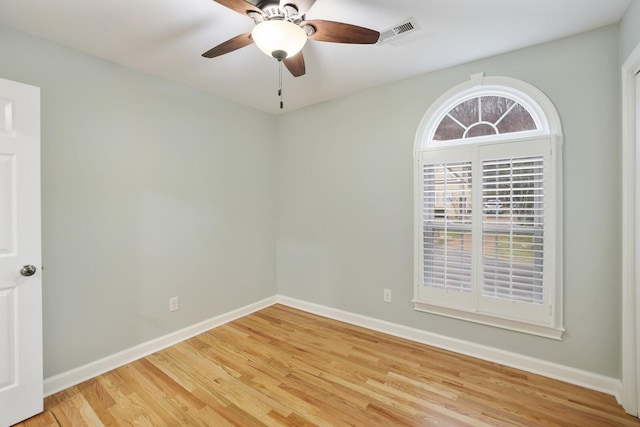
(75, 376)
(567, 374)
(612, 386)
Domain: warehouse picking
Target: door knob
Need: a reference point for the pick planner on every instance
(28, 270)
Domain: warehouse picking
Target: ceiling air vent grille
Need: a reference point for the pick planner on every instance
(398, 31)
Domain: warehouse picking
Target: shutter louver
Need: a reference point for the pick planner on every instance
(447, 226)
(513, 229)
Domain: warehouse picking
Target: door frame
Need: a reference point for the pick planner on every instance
(630, 296)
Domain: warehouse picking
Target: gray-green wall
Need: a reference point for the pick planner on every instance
(345, 198)
(149, 190)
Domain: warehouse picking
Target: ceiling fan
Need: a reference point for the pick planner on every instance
(281, 31)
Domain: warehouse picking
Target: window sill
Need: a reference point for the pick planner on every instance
(498, 322)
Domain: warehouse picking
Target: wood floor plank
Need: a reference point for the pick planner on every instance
(284, 367)
(76, 411)
(45, 419)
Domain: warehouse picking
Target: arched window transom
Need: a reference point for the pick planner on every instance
(484, 116)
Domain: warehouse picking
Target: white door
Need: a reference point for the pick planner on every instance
(21, 384)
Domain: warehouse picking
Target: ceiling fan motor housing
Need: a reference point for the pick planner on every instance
(272, 11)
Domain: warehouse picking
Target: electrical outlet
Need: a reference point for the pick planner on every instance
(387, 295)
(174, 304)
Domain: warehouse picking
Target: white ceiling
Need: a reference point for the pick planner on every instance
(167, 37)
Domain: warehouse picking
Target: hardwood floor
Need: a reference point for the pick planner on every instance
(284, 367)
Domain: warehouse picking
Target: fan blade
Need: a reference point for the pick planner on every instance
(303, 6)
(338, 32)
(241, 6)
(295, 64)
(229, 46)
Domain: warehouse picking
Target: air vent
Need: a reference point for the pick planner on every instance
(399, 31)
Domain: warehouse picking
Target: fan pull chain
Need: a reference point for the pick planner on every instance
(280, 85)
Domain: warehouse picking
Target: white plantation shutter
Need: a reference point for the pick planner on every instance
(487, 212)
(517, 262)
(447, 226)
(446, 212)
(513, 229)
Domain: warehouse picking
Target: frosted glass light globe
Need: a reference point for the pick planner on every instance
(280, 39)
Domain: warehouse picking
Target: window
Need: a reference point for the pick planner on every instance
(488, 211)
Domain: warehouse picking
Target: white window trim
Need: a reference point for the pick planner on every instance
(549, 126)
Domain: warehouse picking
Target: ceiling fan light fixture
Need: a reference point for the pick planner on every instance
(278, 38)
